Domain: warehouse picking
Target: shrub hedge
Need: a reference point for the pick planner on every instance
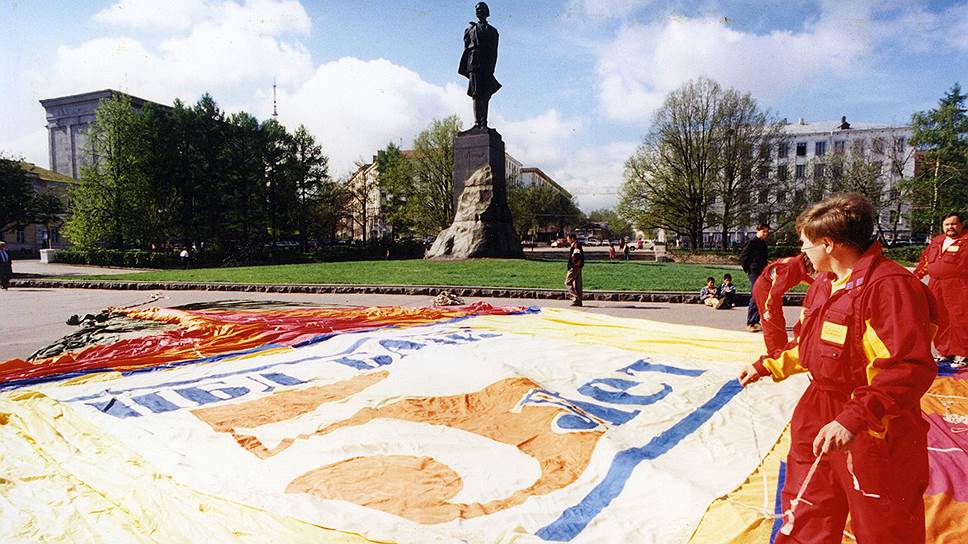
(243, 256)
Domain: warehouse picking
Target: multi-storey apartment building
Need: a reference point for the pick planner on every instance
(811, 151)
(531, 176)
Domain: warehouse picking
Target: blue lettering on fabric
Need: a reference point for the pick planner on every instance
(574, 519)
(585, 416)
(363, 354)
(643, 365)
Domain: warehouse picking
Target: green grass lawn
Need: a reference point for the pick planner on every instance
(611, 276)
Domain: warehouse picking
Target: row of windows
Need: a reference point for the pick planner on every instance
(819, 170)
(857, 146)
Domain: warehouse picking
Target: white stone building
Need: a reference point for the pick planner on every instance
(67, 120)
(808, 151)
(531, 176)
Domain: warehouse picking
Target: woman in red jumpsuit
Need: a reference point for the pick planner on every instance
(858, 441)
(776, 279)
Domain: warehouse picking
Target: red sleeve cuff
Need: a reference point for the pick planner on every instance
(760, 368)
(852, 421)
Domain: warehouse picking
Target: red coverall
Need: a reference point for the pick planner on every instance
(948, 271)
(775, 280)
(867, 347)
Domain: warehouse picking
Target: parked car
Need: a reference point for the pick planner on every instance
(560, 242)
(591, 241)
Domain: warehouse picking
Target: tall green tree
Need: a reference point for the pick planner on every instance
(245, 204)
(47, 209)
(744, 139)
(310, 173)
(396, 179)
(704, 163)
(16, 195)
(941, 135)
(110, 201)
(361, 190)
(432, 205)
(279, 183)
(670, 180)
(214, 189)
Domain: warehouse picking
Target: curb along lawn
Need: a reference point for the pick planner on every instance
(598, 275)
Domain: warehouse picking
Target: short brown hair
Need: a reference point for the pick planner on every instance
(847, 218)
(762, 226)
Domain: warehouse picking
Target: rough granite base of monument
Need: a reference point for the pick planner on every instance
(482, 226)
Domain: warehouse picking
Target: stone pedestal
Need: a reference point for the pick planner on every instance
(48, 256)
(473, 149)
(482, 225)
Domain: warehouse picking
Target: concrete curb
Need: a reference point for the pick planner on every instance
(794, 299)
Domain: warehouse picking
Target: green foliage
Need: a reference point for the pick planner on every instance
(16, 195)
(941, 134)
(907, 255)
(111, 200)
(430, 203)
(617, 226)
(396, 183)
(194, 176)
(537, 206)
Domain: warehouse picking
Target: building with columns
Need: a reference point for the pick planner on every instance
(67, 120)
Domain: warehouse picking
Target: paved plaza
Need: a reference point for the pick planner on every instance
(34, 318)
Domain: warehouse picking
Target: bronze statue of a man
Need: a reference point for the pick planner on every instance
(478, 61)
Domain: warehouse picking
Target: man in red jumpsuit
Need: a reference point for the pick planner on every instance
(776, 279)
(945, 262)
(858, 441)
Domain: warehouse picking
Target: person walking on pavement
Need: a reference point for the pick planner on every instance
(576, 260)
(858, 440)
(945, 262)
(6, 267)
(753, 260)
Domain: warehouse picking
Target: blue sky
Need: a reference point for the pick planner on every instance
(581, 77)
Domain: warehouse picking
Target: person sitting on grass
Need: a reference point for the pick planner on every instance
(708, 294)
(726, 293)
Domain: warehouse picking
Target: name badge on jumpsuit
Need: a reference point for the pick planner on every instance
(833, 332)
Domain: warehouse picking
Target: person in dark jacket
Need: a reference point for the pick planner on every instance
(753, 259)
(6, 268)
(576, 260)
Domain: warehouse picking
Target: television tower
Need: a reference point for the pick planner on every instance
(275, 112)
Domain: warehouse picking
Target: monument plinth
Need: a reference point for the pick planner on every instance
(482, 226)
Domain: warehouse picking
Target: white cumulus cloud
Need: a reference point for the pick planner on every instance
(355, 107)
(209, 46)
(539, 140)
(594, 174)
(645, 62)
